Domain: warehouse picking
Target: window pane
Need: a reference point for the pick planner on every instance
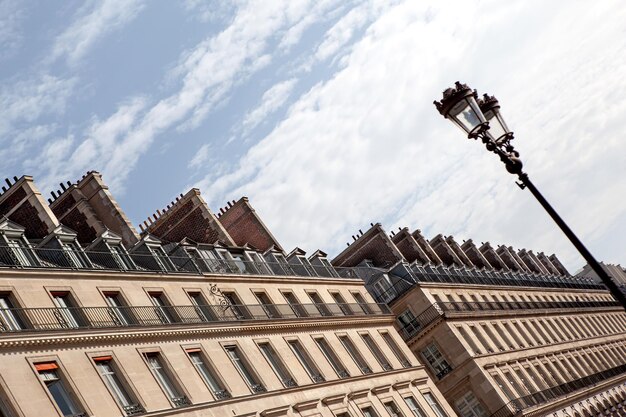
(305, 361)
(154, 362)
(113, 383)
(277, 364)
(242, 367)
(208, 376)
(380, 357)
(355, 354)
(414, 407)
(434, 405)
(332, 358)
(59, 392)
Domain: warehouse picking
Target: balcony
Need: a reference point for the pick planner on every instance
(78, 259)
(17, 320)
(456, 309)
(514, 407)
(415, 276)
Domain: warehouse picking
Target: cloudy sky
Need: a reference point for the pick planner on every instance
(321, 112)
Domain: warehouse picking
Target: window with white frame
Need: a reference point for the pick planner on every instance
(436, 360)
(468, 406)
(432, 402)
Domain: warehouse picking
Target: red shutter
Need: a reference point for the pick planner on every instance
(46, 366)
(102, 358)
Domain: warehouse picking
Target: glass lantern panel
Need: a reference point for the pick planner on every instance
(495, 128)
(465, 115)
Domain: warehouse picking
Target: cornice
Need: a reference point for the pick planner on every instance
(91, 336)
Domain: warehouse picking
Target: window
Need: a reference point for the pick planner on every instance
(65, 399)
(383, 289)
(319, 304)
(269, 307)
(159, 255)
(503, 386)
(69, 315)
(369, 412)
(469, 406)
(121, 257)
(242, 365)
(436, 361)
(22, 253)
(118, 310)
(393, 409)
(208, 374)
(204, 311)
(305, 361)
(396, 349)
(358, 297)
(355, 354)
(74, 254)
(107, 371)
(332, 357)
(277, 365)
(163, 377)
(378, 354)
(236, 307)
(341, 302)
(163, 309)
(414, 407)
(297, 308)
(430, 399)
(10, 319)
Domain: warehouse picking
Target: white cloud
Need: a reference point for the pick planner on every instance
(11, 17)
(24, 102)
(201, 157)
(93, 22)
(368, 145)
(274, 98)
(209, 71)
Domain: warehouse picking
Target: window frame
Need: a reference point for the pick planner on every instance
(65, 379)
(304, 359)
(122, 378)
(287, 380)
(375, 350)
(331, 356)
(225, 392)
(170, 374)
(255, 384)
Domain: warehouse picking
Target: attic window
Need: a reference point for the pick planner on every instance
(73, 254)
(21, 252)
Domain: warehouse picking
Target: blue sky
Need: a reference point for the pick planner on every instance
(321, 112)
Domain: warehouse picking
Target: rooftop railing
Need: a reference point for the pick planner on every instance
(450, 309)
(493, 278)
(16, 320)
(512, 408)
(76, 259)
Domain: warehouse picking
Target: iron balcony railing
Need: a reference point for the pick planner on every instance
(78, 259)
(49, 319)
(459, 276)
(450, 309)
(512, 408)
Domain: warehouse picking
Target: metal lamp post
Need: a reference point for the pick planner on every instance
(480, 118)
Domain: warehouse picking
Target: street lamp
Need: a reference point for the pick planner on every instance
(480, 118)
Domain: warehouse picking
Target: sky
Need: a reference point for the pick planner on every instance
(321, 112)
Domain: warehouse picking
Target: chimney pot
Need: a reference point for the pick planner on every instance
(8, 182)
(15, 178)
(53, 195)
(155, 217)
(49, 201)
(158, 212)
(140, 225)
(4, 188)
(181, 195)
(62, 186)
(353, 237)
(69, 184)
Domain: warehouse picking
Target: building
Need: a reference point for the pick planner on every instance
(503, 332)
(196, 315)
(616, 272)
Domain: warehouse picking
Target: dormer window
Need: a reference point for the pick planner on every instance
(14, 247)
(161, 258)
(121, 257)
(73, 253)
(22, 253)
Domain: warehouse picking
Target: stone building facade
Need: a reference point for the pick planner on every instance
(503, 332)
(197, 315)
